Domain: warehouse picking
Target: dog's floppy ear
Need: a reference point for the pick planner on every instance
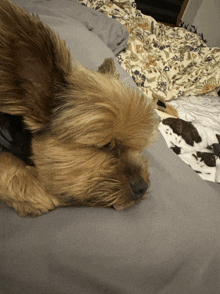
(35, 65)
(108, 67)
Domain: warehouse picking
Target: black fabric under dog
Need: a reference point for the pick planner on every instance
(14, 138)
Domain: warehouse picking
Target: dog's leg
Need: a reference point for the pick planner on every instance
(20, 188)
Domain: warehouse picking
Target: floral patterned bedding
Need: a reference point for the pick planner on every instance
(164, 61)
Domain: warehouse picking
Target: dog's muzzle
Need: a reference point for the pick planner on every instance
(138, 189)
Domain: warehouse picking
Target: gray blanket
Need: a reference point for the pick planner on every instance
(58, 13)
(169, 244)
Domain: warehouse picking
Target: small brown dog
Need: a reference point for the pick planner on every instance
(88, 130)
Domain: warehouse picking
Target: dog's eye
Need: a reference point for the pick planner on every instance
(115, 150)
(107, 146)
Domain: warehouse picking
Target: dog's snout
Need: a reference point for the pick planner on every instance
(139, 188)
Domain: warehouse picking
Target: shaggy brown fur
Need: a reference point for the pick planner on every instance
(88, 129)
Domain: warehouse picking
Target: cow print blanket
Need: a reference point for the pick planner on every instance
(195, 136)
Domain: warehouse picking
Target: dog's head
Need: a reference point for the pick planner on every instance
(90, 152)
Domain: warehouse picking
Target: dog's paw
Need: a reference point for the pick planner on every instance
(30, 210)
(21, 189)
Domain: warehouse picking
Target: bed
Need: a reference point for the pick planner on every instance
(169, 243)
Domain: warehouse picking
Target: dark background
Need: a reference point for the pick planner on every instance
(166, 11)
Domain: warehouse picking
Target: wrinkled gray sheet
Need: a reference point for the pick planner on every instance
(62, 12)
(169, 244)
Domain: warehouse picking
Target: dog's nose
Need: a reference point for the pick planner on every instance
(139, 188)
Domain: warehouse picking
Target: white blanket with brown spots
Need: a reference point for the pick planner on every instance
(195, 136)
